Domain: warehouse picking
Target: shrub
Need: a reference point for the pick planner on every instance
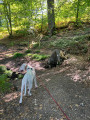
(4, 84)
(20, 76)
(22, 32)
(54, 37)
(28, 51)
(2, 69)
(85, 49)
(17, 55)
(45, 38)
(37, 51)
(88, 58)
(8, 73)
(29, 55)
(36, 45)
(60, 43)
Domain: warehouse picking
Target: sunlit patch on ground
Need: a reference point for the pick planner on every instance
(11, 96)
(48, 79)
(76, 77)
(71, 60)
(1, 111)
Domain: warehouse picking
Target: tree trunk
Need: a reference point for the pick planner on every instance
(41, 15)
(77, 13)
(7, 11)
(51, 17)
(0, 20)
(9, 17)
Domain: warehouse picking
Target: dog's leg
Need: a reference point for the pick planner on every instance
(29, 88)
(25, 89)
(35, 82)
(24, 81)
(22, 87)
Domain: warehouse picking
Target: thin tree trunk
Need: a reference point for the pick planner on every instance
(30, 18)
(77, 13)
(0, 20)
(35, 13)
(51, 17)
(42, 15)
(5, 10)
(8, 17)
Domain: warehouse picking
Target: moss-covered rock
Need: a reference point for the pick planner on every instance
(2, 69)
(4, 83)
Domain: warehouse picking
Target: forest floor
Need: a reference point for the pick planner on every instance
(69, 84)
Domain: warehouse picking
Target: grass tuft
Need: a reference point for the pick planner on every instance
(16, 55)
(28, 51)
(39, 57)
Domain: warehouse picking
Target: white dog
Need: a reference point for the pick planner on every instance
(27, 79)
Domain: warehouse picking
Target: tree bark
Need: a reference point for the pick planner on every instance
(9, 17)
(77, 13)
(51, 17)
(0, 20)
(41, 15)
(7, 11)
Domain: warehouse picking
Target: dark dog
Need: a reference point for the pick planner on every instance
(54, 58)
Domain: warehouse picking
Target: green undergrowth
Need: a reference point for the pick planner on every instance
(28, 51)
(36, 45)
(3, 70)
(39, 57)
(77, 44)
(88, 58)
(29, 54)
(22, 32)
(4, 83)
(18, 55)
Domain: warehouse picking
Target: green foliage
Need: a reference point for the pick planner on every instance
(39, 57)
(4, 84)
(29, 54)
(2, 69)
(22, 32)
(85, 49)
(8, 73)
(78, 48)
(37, 51)
(88, 58)
(82, 38)
(26, 13)
(20, 76)
(36, 45)
(77, 45)
(16, 55)
(45, 38)
(28, 51)
(60, 43)
(11, 44)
